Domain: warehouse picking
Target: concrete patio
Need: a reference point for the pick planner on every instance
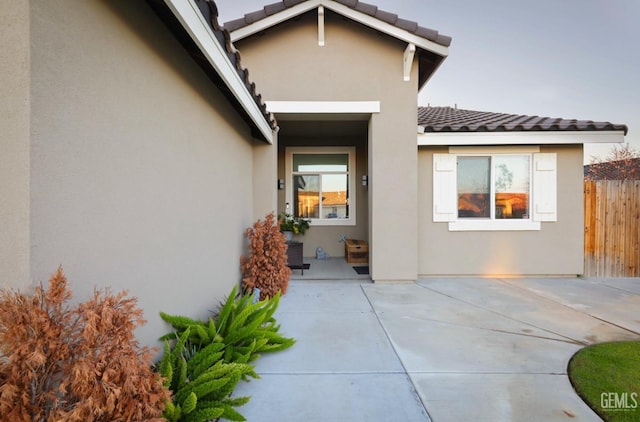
(440, 349)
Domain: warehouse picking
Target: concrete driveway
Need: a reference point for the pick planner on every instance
(440, 349)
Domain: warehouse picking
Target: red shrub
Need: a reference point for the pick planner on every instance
(78, 363)
(266, 267)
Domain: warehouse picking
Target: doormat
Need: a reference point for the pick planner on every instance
(362, 270)
(297, 267)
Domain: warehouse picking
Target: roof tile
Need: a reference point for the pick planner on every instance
(449, 119)
(349, 3)
(235, 24)
(409, 26)
(255, 16)
(366, 8)
(387, 17)
(289, 3)
(274, 8)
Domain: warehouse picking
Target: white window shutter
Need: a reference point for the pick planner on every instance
(444, 187)
(545, 179)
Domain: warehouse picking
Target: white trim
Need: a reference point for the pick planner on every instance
(494, 225)
(515, 149)
(198, 29)
(445, 189)
(519, 138)
(273, 20)
(409, 55)
(352, 199)
(545, 187)
(321, 26)
(346, 11)
(320, 107)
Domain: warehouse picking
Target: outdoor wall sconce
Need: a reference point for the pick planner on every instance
(365, 180)
(280, 184)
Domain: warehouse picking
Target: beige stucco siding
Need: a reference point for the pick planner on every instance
(14, 144)
(557, 249)
(356, 64)
(141, 173)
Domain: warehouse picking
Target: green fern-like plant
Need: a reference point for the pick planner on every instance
(244, 328)
(209, 358)
(201, 382)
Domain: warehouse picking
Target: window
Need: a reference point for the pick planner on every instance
(494, 189)
(320, 184)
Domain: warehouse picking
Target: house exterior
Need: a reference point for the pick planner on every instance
(342, 77)
(533, 223)
(136, 150)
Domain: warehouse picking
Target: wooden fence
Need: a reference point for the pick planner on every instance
(612, 228)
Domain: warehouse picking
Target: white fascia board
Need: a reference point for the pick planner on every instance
(519, 138)
(198, 29)
(343, 10)
(386, 28)
(322, 107)
(274, 19)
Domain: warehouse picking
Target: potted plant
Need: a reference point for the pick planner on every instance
(290, 225)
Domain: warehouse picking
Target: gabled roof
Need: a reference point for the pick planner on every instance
(238, 89)
(430, 47)
(367, 9)
(449, 119)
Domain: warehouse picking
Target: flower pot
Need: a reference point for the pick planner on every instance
(288, 235)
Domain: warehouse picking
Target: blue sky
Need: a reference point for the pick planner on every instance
(575, 59)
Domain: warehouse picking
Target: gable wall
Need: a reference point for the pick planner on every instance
(557, 249)
(141, 173)
(356, 64)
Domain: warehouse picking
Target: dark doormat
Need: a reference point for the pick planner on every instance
(362, 270)
(297, 267)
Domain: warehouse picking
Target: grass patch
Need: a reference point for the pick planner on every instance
(607, 377)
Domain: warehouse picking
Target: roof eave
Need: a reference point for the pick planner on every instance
(519, 137)
(187, 13)
(343, 10)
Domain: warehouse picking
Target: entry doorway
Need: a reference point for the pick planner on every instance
(324, 164)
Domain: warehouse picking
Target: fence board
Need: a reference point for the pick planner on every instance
(612, 228)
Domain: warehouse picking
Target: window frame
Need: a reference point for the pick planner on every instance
(351, 172)
(492, 184)
(542, 190)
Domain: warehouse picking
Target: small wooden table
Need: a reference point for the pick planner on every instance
(294, 256)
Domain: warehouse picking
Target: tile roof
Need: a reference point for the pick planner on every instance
(627, 169)
(449, 119)
(367, 9)
(209, 10)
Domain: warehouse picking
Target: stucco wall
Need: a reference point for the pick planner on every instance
(356, 64)
(14, 144)
(141, 172)
(557, 249)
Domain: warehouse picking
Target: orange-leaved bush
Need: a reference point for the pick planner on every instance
(266, 267)
(75, 363)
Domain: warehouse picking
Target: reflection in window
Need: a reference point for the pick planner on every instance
(321, 186)
(512, 181)
(496, 187)
(473, 187)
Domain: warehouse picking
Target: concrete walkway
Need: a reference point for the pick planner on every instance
(441, 349)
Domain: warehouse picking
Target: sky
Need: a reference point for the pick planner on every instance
(572, 59)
